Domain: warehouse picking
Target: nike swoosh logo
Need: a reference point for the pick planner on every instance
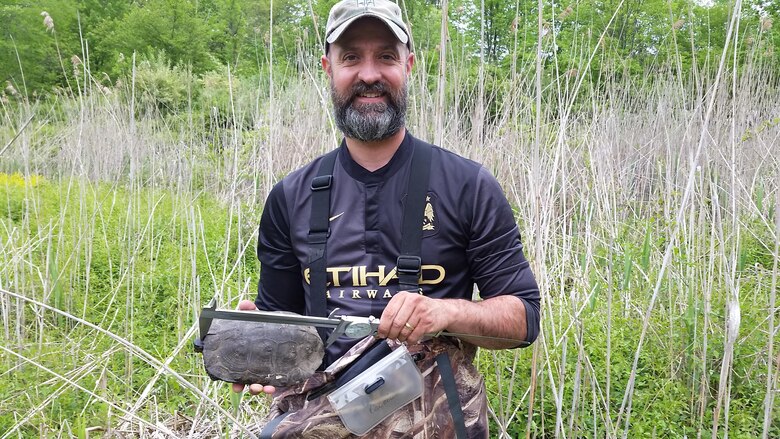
(335, 216)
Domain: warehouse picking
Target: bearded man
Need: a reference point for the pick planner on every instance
(362, 263)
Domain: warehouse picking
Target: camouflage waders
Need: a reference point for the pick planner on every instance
(292, 416)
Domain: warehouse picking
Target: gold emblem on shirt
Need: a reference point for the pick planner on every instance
(429, 217)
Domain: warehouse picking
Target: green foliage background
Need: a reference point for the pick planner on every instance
(649, 36)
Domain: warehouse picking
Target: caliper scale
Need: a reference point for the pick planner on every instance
(350, 326)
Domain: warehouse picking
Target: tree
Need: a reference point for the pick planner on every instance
(171, 26)
(44, 50)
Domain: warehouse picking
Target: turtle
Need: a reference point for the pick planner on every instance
(265, 353)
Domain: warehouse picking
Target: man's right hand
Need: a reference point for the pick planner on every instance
(254, 389)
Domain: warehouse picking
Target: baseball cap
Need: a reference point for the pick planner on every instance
(346, 12)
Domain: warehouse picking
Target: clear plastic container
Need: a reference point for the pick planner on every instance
(377, 392)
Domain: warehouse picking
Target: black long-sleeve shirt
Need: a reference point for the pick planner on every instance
(469, 238)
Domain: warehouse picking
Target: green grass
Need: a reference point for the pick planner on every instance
(670, 366)
(138, 264)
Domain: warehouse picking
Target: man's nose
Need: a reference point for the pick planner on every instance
(369, 72)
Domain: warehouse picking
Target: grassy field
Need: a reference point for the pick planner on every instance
(650, 211)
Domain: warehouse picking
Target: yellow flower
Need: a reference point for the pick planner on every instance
(18, 180)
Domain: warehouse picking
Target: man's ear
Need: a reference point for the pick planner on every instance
(326, 66)
(409, 63)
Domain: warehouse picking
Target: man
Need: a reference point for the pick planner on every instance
(469, 235)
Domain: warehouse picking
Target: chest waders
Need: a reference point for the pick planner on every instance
(408, 264)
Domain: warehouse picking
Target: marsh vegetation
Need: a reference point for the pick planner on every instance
(648, 198)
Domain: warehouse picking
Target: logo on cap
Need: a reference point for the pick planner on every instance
(346, 12)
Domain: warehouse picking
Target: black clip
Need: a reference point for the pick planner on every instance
(319, 237)
(409, 265)
(321, 182)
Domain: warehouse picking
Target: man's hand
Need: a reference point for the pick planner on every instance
(498, 322)
(409, 316)
(254, 389)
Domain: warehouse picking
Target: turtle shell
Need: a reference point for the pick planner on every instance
(265, 353)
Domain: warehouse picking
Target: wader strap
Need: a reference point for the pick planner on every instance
(270, 427)
(319, 230)
(409, 263)
(451, 390)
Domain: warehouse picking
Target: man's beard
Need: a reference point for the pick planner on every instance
(369, 122)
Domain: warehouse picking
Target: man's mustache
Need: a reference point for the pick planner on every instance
(361, 88)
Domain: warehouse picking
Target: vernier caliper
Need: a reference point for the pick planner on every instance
(349, 326)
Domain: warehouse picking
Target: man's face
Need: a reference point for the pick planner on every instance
(368, 69)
